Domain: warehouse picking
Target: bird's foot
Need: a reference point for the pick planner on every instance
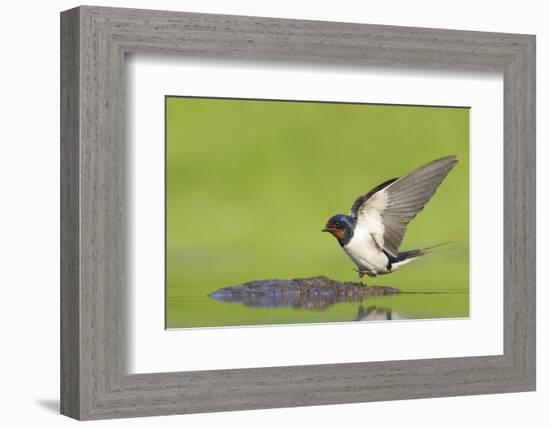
(362, 273)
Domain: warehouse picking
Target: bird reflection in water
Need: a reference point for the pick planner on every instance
(374, 313)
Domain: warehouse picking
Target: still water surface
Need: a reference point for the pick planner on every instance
(193, 310)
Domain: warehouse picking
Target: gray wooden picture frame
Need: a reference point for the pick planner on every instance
(94, 381)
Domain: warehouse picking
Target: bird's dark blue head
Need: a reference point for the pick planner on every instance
(341, 226)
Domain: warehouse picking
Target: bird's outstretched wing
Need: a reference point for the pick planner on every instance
(388, 208)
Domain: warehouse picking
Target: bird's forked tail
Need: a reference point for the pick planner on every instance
(407, 256)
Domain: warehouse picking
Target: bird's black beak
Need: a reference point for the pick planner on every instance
(325, 229)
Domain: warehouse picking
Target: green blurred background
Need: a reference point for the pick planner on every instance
(251, 183)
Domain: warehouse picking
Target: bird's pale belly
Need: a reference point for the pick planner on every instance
(366, 254)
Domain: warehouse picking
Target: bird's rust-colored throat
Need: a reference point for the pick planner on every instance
(336, 232)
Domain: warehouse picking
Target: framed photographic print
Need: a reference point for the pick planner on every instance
(262, 213)
(247, 182)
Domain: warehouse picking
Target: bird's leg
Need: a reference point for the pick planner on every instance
(362, 273)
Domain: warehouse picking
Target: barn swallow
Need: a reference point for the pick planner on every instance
(372, 234)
